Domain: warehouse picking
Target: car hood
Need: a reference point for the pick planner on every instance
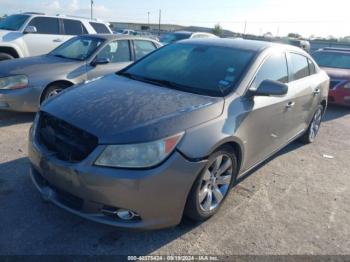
(32, 66)
(120, 110)
(3, 33)
(8, 36)
(337, 73)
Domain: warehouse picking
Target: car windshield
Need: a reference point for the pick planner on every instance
(171, 38)
(13, 22)
(201, 69)
(333, 59)
(78, 48)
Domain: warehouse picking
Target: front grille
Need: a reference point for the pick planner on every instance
(67, 142)
(63, 197)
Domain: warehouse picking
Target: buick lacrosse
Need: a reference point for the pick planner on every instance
(171, 134)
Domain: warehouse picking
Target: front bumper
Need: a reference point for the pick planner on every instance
(21, 100)
(158, 195)
(339, 96)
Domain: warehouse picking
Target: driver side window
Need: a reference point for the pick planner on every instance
(273, 68)
(116, 52)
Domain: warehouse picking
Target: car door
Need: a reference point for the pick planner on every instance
(119, 55)
(47, 37)
(263, 128)
(305, 93)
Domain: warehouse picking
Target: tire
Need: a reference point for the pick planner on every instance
(5, 56)
(53, 90)
(310, 135)
(198, 206)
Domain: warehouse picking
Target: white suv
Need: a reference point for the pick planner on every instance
(32, 34)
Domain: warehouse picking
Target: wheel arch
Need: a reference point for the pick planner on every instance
(63, 83)
(9, 50)
(237, 146)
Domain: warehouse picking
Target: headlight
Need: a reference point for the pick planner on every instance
(13, 82)
(347, 85)
(141, 155)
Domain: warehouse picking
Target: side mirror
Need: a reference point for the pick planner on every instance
(100, 61)
(30, 30)
(271, 88)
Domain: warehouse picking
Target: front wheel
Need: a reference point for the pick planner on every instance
(314, 127)
(5, 56)
(212, 186)
(52, 91)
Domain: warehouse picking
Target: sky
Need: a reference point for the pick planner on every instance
(280, 17)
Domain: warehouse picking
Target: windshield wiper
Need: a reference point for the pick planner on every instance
(61, 56)
(160, 82)
(128, 75)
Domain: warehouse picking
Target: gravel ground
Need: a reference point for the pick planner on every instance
(296, 203)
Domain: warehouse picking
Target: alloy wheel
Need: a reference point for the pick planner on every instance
(215, 183)
(54, 92)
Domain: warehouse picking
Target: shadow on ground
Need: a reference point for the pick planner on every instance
(14, 118)
(43, 228)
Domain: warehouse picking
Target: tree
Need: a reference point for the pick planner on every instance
(218, 30)
(294, 35)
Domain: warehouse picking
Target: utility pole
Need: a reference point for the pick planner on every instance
(148, 13)
(245, 27)
(160, 19)
(92, 7)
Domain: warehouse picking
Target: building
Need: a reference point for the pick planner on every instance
(164, 28)
(145, 27)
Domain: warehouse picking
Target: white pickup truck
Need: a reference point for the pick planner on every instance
(32, 34)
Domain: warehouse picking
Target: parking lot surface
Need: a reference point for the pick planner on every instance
(296, 203)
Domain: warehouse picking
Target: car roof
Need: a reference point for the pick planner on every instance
(72, 17)
(251, 45)
(182, 32)
(335, 49)
(111, 37)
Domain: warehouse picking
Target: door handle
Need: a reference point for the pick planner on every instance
(317, 91)
(290, 104)
(58, 40)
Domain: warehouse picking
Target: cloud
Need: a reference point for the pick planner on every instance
(67, 7)
(54, 5)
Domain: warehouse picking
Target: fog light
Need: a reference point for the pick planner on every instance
(125, 214)
(120, 213)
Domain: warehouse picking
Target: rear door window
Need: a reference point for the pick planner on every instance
(100, 28)
(73, 27)
(299, 66)
(46, 25)
(274, 68)
(142, 48)
(116, 52)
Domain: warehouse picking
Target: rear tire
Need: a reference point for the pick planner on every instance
(213, 185)
(5, 56)
(310, 135)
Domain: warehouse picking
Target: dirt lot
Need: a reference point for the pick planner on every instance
(297, 203)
